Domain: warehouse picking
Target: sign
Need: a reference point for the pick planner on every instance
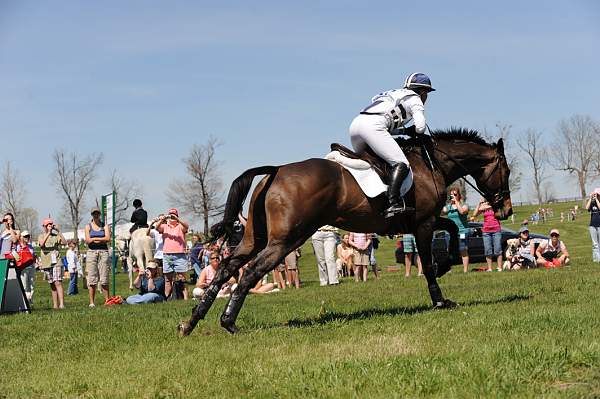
(12, 294)
(109, 208)
(108, 215)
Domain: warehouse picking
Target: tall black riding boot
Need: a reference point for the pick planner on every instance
(397, 204)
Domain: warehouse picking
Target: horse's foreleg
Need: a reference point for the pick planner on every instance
(423, 237)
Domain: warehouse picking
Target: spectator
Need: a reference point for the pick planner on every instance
(562, 217)
(552, 252)
(345, 256)
(207, 276)
(237, 233)
(324, 243)
(175, 265)
(97, 237)
(593, 207)
(360, 242)
(9, 236)
(28, 273)
(372, 259)
(151, 285)
(291, 265)
(458, 212)
(50, 241)
(278, 273)
(196, 256)
(139, 217)
(409, 245)
(261, 287)
(522, 255)
(492, 237)
(73, 267)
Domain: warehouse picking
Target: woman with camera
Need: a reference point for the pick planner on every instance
(9, 236)
(175, 262)
(492, 236)
(97, 237)
(50, 242)
(593, 207)
(458, 212)
(151, 285)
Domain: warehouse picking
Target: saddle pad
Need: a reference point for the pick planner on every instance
(368, 180)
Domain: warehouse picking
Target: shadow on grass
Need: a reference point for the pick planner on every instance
(394, 311)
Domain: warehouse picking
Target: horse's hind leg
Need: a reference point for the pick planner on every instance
(229, 267)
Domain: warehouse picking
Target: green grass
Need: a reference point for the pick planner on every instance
(516, 334)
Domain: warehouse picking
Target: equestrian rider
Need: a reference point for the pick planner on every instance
(388, 112)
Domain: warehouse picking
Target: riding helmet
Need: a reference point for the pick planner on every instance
(418, 80)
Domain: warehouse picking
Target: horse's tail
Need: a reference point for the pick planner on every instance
(235, 199)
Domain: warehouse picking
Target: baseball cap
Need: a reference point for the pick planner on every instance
(47, 221)
(173, 211)
(554, 231)
(25, 233)
(523, 229)
(151, 264)
(94, 210)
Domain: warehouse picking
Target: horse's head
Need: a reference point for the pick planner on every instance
(493, 181)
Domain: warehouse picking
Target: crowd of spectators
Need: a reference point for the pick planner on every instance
(350, 255)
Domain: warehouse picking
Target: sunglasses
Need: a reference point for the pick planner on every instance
(214, 258)
(554, 235)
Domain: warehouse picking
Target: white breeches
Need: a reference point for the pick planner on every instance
(372, 131)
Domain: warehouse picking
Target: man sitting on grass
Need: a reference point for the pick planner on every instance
(151, 285)
(553, 252)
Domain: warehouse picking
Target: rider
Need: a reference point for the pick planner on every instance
(139, 217)
(389, 111)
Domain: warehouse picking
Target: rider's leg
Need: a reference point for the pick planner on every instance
(372, 131)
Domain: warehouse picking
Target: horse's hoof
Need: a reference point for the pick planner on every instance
(445, 304)
(229, 326)
(183, 329)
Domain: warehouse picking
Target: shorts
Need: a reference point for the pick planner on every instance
(96, 262)
(281, 267)
(53, 273)
(409, 243)
(492, 243)
(550, 255)
(292, 261)
(175, 263)
(361, 258)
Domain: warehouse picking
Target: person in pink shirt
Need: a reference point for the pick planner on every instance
(360, 242)
(492, 237)
(175, 263)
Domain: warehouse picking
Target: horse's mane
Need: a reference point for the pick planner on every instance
(460, 134)
(452, 134)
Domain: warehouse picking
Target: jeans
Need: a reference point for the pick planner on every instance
(149, 297)
(595, 235)
(197, 268)
(492, 245)
(324, 244)
(73, 284)
(28, 280)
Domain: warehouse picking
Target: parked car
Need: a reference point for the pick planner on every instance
(441, 240)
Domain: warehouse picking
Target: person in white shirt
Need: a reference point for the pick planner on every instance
(73, 267)
(387, 112)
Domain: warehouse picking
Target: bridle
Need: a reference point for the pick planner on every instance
(495, 199)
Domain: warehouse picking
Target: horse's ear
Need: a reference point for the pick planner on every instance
(500, 146)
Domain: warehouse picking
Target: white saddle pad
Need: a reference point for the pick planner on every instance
(368, 180)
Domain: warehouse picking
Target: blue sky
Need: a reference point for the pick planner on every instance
(276, 82)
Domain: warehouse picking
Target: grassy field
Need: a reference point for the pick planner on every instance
(516, 334)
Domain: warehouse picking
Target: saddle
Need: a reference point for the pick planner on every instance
(382, 168)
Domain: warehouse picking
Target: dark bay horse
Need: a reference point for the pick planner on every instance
(292, 201)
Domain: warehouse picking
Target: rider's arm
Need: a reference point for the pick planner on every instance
(418, 114)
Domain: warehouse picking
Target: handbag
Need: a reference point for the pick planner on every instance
(22, 257)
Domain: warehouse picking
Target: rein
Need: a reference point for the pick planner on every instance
(494, 198)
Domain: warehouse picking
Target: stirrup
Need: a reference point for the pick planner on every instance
(401, 207)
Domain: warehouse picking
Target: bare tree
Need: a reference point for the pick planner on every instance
(531, 144)
(200, 194)
(12, 191)
(503, 131)
(73, 175)
(576, 148)
(126, 191)
(28, 219)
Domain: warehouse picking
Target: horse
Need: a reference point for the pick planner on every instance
(141, 250)
(292, 201)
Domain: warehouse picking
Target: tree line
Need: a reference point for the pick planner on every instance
(573, 148)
